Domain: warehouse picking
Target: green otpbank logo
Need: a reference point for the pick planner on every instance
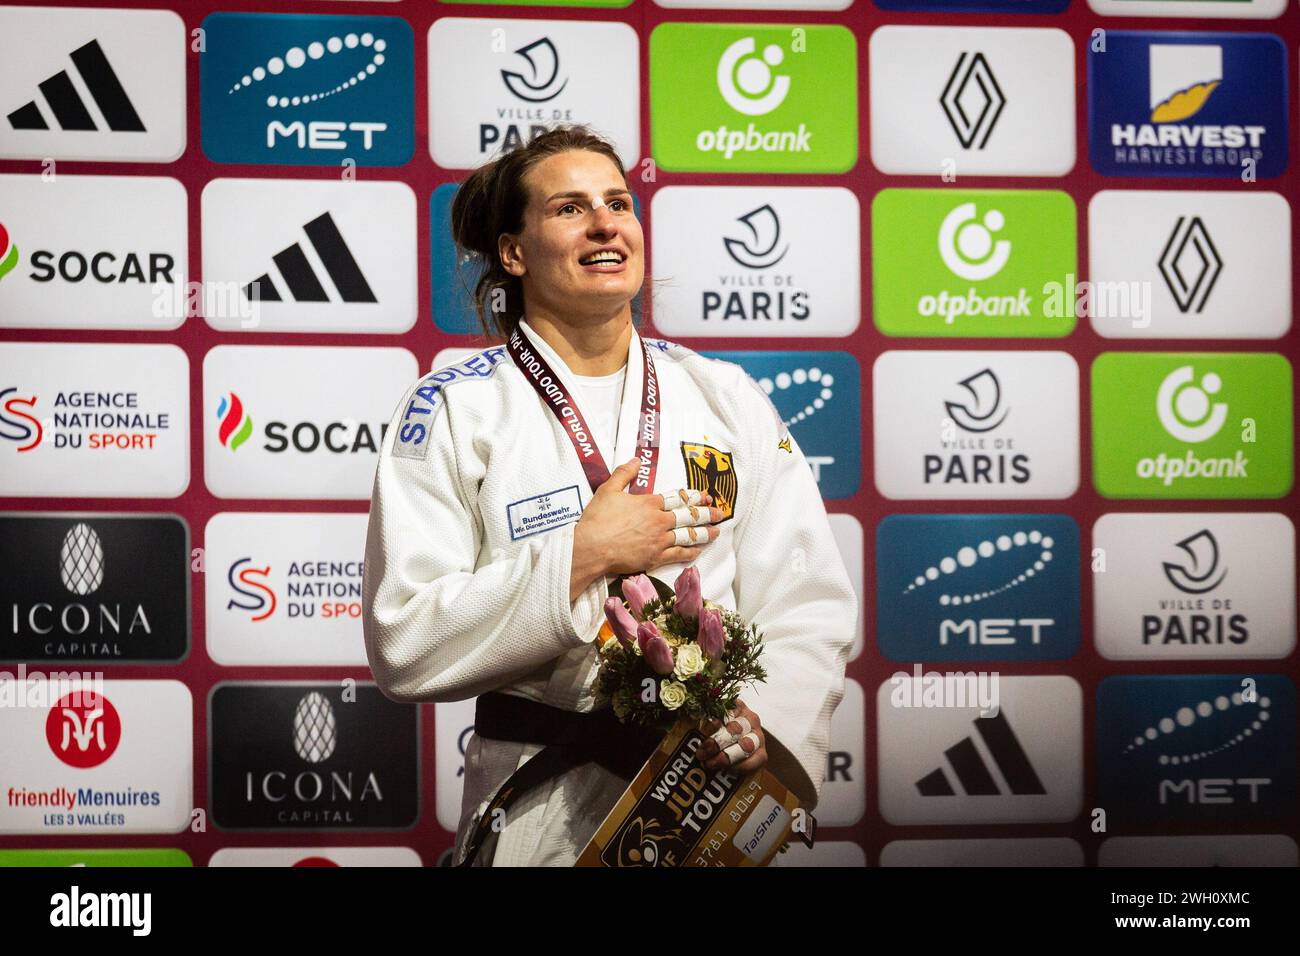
(115, 857)
(954, 263)
(750, 98)
(1192, 425)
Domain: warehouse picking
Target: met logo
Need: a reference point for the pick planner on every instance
(307, 90)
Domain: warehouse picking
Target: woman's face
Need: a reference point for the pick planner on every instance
(581, 248)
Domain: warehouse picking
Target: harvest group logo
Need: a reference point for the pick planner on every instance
(748, 98)
(495, 84)
(92, 84)
(1195, 586)
(1197, 748)
(999, 254)
(1203, 105)
(978, 587)
(1218, 425)
(307, 89)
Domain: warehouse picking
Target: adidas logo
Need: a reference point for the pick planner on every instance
(65, 102)
(300, 277)
(973, 774)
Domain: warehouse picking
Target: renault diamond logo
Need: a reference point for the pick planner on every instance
(972, 100)
(1190, 264)
(67, 105)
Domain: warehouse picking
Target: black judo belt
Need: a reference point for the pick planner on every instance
(571, 739)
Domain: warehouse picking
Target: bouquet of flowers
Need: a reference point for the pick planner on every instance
(668, 653)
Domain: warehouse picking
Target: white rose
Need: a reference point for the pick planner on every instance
(690, 661)
(672, 693)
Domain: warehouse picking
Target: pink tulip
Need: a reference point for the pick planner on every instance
(646, 631)
(638, 590)
(687, 588)
(713, 636)
(621, 621)
(655, 649)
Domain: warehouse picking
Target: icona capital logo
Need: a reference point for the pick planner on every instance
(1184, 425)
(753, 98)
(973, 262)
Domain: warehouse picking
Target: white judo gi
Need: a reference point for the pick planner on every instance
(463, 594)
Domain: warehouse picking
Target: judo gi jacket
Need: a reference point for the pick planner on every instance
(469, 555)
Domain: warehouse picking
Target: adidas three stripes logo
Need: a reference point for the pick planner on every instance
(301, 279)
(65, 102)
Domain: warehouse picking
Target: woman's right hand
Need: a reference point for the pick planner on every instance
(620, 533)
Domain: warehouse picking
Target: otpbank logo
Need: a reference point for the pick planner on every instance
(1192, 425)
(961, 263)
(307, 90)
(753, 98)
(1188, 104)
(1197, 748)
(817, 396)
(977, 587)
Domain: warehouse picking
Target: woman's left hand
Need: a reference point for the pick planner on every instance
(752, 743)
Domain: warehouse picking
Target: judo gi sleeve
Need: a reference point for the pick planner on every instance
(436, 627)
(792, 584)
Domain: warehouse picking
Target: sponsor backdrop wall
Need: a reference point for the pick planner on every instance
(1018, 274)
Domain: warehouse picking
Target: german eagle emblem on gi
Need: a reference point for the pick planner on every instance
(711, 471)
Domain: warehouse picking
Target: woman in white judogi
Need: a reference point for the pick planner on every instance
(478, 580)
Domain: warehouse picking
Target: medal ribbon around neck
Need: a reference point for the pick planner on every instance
(556, 397)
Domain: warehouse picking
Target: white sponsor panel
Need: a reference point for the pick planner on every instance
(322, 255)
(1201, 9)
(1195, 586)
(92, 84)
(844, 795)
(117, 757)
(1237, 849)
(285, 589)
(847, 532)
(829, 853)
(756, 261)
(1218, 264)
(453, 726)
(976, 425)
(315, 856)
(950, 765)
(493, 83)
(972, 101)
(93, 420)
(92, 252)
(1030, 851)
(298, 422)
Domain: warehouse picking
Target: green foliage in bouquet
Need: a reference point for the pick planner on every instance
(709, 665)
